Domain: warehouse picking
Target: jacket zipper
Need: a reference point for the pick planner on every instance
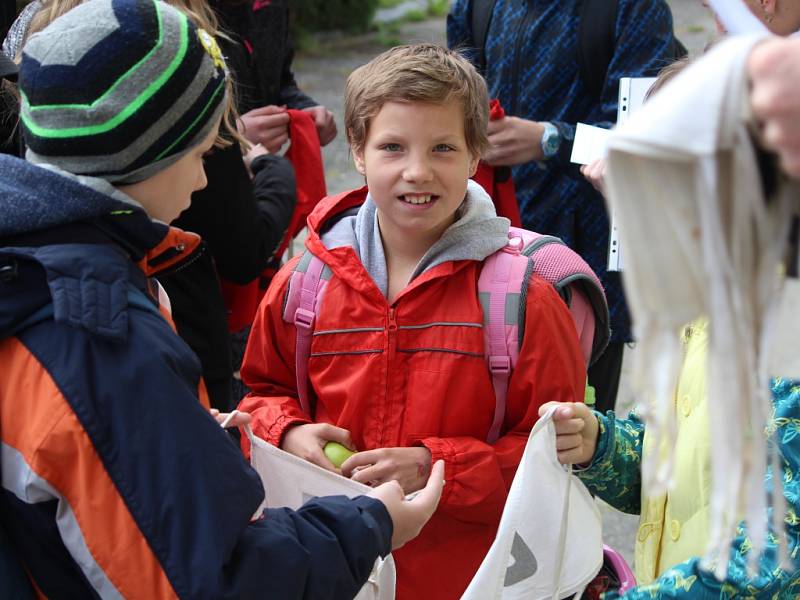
(391, 345)
(515, 75)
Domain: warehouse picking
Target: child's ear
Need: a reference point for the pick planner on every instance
(358, 157)
(473, 165)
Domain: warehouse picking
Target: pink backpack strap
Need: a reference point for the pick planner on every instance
(301, 307)
(502, 289)
(499, 289)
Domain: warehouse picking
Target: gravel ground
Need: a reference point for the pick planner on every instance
(322, 70)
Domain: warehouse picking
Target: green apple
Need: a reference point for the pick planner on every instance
(337, 453)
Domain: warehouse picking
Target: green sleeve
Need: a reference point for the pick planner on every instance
(771, 581)
(615, 471)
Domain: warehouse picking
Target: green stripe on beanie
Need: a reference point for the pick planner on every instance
(146, 89)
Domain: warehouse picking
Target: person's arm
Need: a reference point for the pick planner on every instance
(292, 96)
(152, 485)
(550, 367)
(242, 221)
(290, 93)
(689, 581)
(774, 71)
(614, 473)
(275, 191)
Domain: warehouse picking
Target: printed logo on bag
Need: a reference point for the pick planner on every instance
(524, 565)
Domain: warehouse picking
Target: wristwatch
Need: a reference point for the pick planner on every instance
(551, 140)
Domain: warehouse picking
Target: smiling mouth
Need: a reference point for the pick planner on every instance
(418, 198)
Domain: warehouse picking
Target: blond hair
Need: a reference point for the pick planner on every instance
(416, 73)
(667, 74)
(198, 12)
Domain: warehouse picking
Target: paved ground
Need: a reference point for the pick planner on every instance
(322, 71)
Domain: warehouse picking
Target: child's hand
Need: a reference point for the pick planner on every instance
(595, 173)
(307, 442)
(774, 67)
(513, 141)
(576, 431)
(410, 467)
(409, 517)
(267, 125)
(255, 151)
(326, 126)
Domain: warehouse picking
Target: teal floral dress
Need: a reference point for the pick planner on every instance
(615, 476)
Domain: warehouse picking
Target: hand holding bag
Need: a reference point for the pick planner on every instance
(291, 481)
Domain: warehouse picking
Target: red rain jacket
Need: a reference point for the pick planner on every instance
(392, 383)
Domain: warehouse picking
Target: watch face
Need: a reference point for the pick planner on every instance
(550, 141)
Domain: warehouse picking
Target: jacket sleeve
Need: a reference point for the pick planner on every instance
(268, 367)
(326, 549)
(614, 473)
(643, 46)
(242, 221)
(550, 367)
(159, 493)
(290, 94)
(689, 581)
(274, 188)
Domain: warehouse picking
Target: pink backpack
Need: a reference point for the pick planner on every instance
(502, 289)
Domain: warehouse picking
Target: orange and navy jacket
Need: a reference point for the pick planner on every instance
(413, 372)
(116, 482)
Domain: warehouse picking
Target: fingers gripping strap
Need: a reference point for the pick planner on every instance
(495, 278)
(304, 318)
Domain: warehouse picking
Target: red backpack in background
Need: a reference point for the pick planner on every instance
(305, 154)
(497, 181)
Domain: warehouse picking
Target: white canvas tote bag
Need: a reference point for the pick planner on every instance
(291, 481)
(549, 544)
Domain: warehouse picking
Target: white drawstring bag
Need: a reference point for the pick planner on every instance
(550, 542)
(290, 481)
(684, 181)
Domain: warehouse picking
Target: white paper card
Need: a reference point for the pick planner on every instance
(589, 144)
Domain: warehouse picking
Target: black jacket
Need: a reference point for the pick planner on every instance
(242, 224)
(262, 54)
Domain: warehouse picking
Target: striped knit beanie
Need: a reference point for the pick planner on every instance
(119, 89)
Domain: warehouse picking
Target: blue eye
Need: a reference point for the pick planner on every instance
(391, 147)
(443, 148)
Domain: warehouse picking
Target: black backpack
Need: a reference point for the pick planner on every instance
(595, 32)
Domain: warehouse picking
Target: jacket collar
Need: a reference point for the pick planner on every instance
(78, 248)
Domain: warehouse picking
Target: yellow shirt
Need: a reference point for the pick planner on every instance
(674, 526)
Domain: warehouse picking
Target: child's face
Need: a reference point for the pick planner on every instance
(417, 164)
(168, 193)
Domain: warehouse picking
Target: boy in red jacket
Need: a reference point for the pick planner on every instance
(397, 368)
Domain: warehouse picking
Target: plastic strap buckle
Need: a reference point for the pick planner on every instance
(500, 365)
(514, 245)
(304, 318)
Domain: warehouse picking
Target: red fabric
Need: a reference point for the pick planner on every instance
(392, 397)
(305, 154)
(497, 181)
